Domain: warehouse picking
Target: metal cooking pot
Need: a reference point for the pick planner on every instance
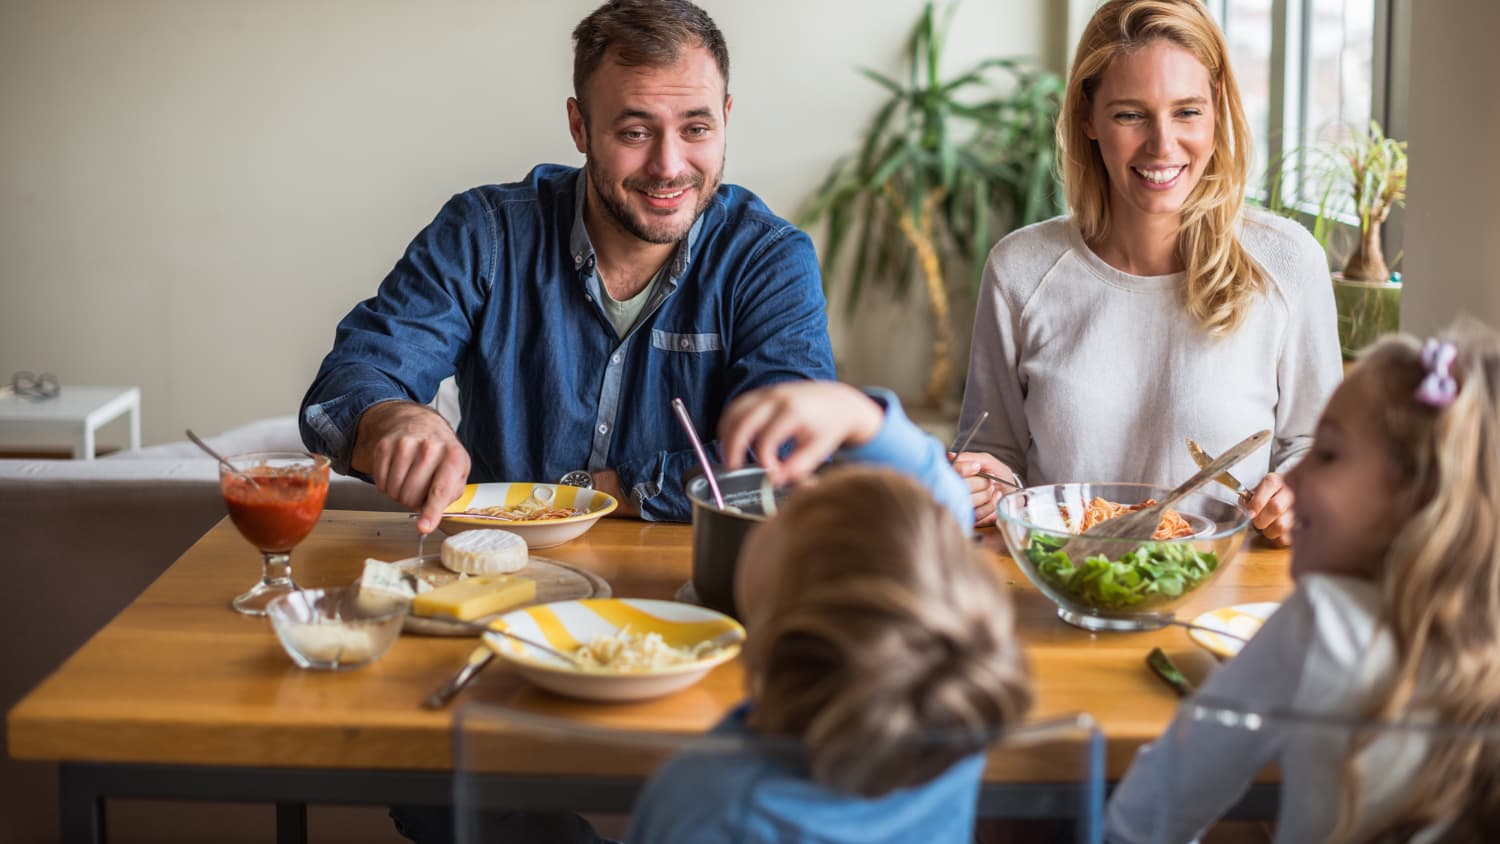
(718, 534)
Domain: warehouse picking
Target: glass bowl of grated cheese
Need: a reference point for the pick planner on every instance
(621, 648)
(328, 629)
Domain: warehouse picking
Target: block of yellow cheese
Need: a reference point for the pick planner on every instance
(473, 597)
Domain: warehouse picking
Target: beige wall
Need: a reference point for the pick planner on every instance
(192, 193)
(1452, 263)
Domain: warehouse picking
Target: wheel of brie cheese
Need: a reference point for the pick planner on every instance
(484, 552)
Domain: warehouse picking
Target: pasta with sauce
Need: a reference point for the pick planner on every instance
(526, 511)
(1171, 526)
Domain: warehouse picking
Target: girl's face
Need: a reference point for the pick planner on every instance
(1153, 118)
(1347, 489)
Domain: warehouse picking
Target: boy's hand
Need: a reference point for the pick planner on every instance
(983, 492)
(816, 417)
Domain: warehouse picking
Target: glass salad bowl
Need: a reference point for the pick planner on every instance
(1131, 584)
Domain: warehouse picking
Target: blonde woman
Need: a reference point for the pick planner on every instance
(881, 644)
(1396, 617)
(1160, 308)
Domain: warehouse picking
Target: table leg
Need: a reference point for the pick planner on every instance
(81, 807)
(291, 823)
(84, 448)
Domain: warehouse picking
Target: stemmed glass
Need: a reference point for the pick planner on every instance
(275, 499)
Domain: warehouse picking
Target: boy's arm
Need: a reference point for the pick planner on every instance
(902, 446)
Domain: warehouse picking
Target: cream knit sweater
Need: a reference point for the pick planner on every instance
(1092, 374)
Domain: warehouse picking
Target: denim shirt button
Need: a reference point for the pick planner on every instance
(615, 358)
(684, 343)
(577, 260)
(588, 297)
(603, 429)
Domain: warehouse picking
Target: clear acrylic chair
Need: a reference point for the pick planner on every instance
(1225, 762)
(511, 761)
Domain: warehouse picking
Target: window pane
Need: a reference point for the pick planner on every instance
(1247, 29)
(1339, 72)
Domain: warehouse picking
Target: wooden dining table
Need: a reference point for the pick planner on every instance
(180, 697)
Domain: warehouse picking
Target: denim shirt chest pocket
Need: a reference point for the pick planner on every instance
(670, 341)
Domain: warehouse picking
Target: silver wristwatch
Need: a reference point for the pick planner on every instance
(577, 477)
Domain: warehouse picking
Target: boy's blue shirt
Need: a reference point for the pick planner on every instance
(732, 791)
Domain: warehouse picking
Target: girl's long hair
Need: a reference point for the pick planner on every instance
(1440, 581)
(887, 643)
(1222, 278)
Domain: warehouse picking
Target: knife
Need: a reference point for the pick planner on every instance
(478, 659)
(1202, 458)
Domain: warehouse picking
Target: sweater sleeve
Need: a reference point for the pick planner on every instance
(994, 380)
(1310, 365)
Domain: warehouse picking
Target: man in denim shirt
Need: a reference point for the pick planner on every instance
(575, 304)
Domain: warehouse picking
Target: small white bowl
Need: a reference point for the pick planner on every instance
(538, 533)
(567, 625)
(327, 630)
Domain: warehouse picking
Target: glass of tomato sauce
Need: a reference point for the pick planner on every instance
(275, 499)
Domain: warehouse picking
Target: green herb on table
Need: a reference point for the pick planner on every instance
(1162, 570)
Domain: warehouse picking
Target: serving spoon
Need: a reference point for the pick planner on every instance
(1141, 524)
(219, 457)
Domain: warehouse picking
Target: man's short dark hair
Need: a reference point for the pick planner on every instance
(644, 33)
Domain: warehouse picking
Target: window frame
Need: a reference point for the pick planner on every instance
(1288, 91)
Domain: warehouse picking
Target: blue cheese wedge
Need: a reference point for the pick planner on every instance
(384, 585)
(484, 552)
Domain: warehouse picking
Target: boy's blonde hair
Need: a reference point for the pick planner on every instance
(1440, 580)
(887, 643)
(1222, 278)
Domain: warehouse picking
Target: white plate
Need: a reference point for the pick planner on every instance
(1241, 620)
(540, 533)
(567, 625)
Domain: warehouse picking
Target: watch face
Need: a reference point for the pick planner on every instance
(578, 477)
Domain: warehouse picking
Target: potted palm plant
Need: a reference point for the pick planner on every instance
(1363, 177)
(946, 166)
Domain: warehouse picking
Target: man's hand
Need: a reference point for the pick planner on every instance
(983, 492)
(1270, 506)
(414, 457)
(607, 481)
(816, 417)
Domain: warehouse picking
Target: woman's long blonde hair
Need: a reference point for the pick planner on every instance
(887, 643)
(1440, 579)
(1222, 278)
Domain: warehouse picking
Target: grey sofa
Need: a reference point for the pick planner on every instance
(85, 538)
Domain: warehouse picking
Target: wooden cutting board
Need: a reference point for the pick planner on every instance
(555, 581)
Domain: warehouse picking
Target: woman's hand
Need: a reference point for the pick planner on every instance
(1270, 506)
(815, 417)
(982, 491)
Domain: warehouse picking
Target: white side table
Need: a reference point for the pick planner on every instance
(79, 411)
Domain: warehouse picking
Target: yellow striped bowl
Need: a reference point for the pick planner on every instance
(568, 625)
(540, 533)
(1240, 620)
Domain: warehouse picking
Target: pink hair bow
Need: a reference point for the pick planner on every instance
(1439, 387)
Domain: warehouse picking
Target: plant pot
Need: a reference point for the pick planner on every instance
(1367, 310)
